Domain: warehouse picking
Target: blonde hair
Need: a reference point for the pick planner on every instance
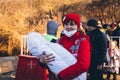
(113, 41)
(81, 29)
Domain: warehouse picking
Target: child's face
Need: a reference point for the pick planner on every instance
(112, 45)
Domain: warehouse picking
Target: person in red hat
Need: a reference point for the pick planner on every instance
(77, 44)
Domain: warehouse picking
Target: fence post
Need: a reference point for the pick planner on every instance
(23, 45)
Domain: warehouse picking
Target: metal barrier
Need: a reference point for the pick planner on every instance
(24, 49)
(23, 45)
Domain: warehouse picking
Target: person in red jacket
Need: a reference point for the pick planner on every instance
(77, 43)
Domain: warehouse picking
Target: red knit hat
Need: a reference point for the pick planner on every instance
(73, 17)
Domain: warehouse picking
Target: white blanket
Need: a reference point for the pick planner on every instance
(63, 58)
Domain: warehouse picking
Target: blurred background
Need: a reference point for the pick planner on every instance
(18, 17)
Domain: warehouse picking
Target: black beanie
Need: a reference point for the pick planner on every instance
(92, 22)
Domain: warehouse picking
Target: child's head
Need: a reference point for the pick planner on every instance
(113, 44)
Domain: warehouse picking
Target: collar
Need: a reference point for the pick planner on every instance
(95, 30)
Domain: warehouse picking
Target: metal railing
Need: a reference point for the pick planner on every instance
(24, 49)
(23, 45)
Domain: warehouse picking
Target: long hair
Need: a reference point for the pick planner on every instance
(81, 29)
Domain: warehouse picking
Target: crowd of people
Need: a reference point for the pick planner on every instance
(90, 44)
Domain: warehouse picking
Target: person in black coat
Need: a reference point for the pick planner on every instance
(98, 42)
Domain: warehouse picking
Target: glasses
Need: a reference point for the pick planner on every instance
(71, 23)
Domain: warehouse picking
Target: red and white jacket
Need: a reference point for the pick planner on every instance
(79, 46)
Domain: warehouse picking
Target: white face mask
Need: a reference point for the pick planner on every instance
(69, 33)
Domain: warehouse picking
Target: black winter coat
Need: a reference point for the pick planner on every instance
(98, 42)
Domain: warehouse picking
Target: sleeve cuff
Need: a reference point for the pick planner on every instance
(41, 64)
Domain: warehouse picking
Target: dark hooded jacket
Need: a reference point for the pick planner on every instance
(98, 48)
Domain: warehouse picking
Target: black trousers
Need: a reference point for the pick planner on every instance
(95, 74)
